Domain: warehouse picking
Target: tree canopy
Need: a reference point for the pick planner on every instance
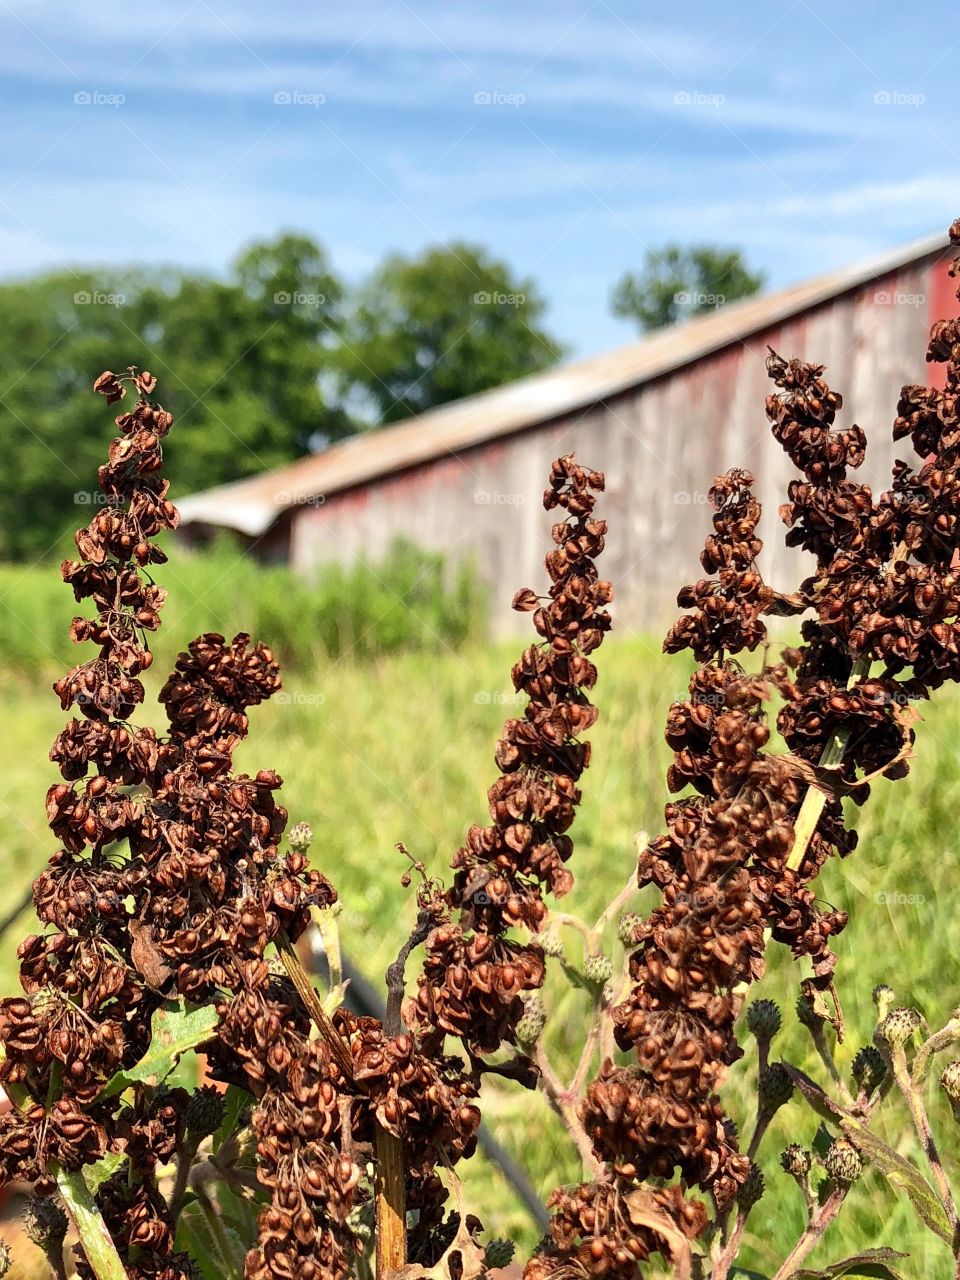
(678, 282)
(447, 323)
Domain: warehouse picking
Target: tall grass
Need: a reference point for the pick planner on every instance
(409, 600)
(400, 748)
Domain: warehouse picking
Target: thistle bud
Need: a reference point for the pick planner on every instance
(763, 1019)
(843, 1162)
(868, 1069)
(301, 837)
(899, 1026)
(950, 1081)
(552, 945)
(45, 1224)
(775, 1087)
(627, 928)
(530, 1027)
(498, 1253)
(752, 1189)
(6, 1258)
(796, 1160)
(204, 1114)
(598, 969)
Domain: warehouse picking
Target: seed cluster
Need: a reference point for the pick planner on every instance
(885, 592)
(475, 974)
(169, 882)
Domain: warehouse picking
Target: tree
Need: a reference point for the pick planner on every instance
(678, 282)
(448, 323)
(240, 363)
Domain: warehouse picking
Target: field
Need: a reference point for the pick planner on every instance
(401, 749)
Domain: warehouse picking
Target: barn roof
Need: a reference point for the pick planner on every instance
(252, 505)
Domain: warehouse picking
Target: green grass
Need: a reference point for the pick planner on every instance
(401, 749)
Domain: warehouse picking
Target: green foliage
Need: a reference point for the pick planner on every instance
(678, 282)
(240, 362)
(446, 324)
(411, 599)
(176, 1027)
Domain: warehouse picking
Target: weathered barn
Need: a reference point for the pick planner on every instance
(661, 417)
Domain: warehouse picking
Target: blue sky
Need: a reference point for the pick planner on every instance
(568, 136)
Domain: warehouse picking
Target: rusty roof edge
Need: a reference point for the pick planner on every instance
(252, 505)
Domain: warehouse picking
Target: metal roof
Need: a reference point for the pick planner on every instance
(252, 505)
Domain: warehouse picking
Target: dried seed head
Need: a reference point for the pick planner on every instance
(899, 1026)
(869, 1069)
(204, 1114)
(45, 1223)
(796, 1160)
(950, 1081)
(498, 1253)
(763, 1019)
(530, 1027)
(843, 1161)
(627, 928)
(598, 969)
(301, 837)
(751, 1190)
(775, 1087)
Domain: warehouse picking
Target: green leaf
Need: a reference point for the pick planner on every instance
(235, 1103)
(872, 1262)
(95, 1175)
(900, 1173)
(748, 1275)
(176, 1027)
(821, 1103)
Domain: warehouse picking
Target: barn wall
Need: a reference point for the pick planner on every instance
(660, 446)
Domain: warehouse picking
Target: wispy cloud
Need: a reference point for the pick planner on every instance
(568, 136)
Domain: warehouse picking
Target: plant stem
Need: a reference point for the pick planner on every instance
(817, 1225)
(921, 1123)
(730, 1250)
(185, 1158)
(212, 1219)
(815, 800)
(561, 1101)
